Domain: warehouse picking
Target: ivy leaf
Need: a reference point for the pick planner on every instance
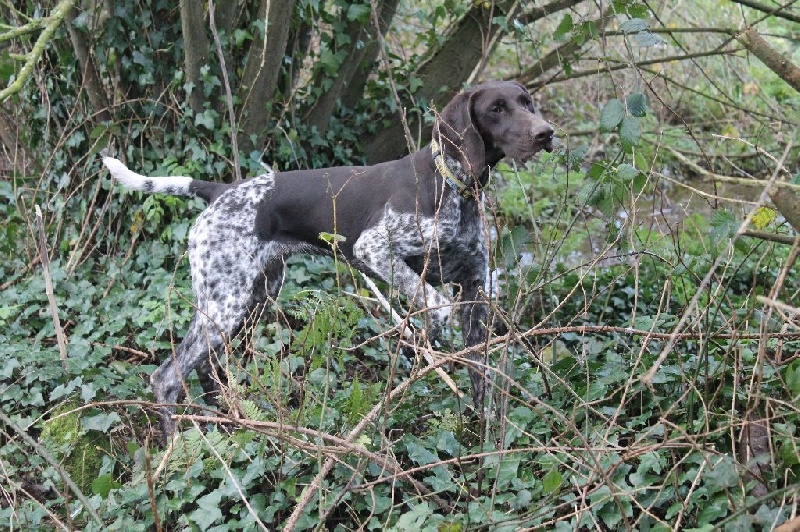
(611, 115)
(206, 119)
(239, 36)
(101, 422)
(420, 454)
(723, 474)
(415, 518)
(358, 12)
(792, 378)
(523, 500)
(8, 368)
(507, 471)
(103, 484)
(552, 481)
(207, 511)
(637, 104)
(630, 132)
(447, 442)
(88, 392)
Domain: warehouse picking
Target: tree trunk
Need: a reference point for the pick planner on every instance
(261, 72)
(348, 85)
(443, 76)
(91, 80)
(195, 49)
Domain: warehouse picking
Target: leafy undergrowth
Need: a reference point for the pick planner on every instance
(650, 391)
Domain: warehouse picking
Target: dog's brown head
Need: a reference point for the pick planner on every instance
(488, 122)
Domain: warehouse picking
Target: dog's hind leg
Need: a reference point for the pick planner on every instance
(200, 351)
(218, 318)
(223, 307)
(168, 380)
(265, 291)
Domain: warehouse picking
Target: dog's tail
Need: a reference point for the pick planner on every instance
(173, 185)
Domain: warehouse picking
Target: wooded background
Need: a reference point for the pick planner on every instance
(644, 287)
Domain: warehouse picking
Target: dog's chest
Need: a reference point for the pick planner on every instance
(452, 247)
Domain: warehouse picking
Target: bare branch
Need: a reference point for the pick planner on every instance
(774, 60)
(771, 237)
(538, 13)
(777, 11)
(237, 171)
(444, 71)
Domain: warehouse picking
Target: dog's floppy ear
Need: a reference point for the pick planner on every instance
(458, 136)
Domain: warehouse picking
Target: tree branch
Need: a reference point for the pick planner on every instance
(262, 70)
(776, 11)
(443, 73)
(237, 171)
(538, 13)
(773, 59)
(30, 27)
(609, 68)
(32, 57)
(355, 67)
(771, 237)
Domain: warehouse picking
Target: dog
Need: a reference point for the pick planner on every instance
(414, 223)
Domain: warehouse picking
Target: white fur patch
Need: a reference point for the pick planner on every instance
(168, 185)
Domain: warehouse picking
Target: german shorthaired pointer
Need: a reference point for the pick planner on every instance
(414, 223)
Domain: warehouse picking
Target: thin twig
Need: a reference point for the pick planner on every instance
(48, 288)
(55, 19)
(151, 492)
(647, 378)
(316, 483)
(44, 453)
(231, 476)
(237, 172)
(338, 445)
(406, 333)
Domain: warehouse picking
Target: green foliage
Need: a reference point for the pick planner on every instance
(81, 446)
(594, 280)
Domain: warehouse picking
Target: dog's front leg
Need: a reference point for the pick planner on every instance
(474, 314)
(382, 260)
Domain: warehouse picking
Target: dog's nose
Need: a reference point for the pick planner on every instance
(543, 134)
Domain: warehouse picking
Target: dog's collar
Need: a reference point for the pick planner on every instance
(447, 174)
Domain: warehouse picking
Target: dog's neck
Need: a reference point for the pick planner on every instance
(453, 172)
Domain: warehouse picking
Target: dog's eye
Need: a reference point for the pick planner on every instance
(499, 107)
(527, 103)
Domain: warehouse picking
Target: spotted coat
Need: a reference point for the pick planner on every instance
(402, 221)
